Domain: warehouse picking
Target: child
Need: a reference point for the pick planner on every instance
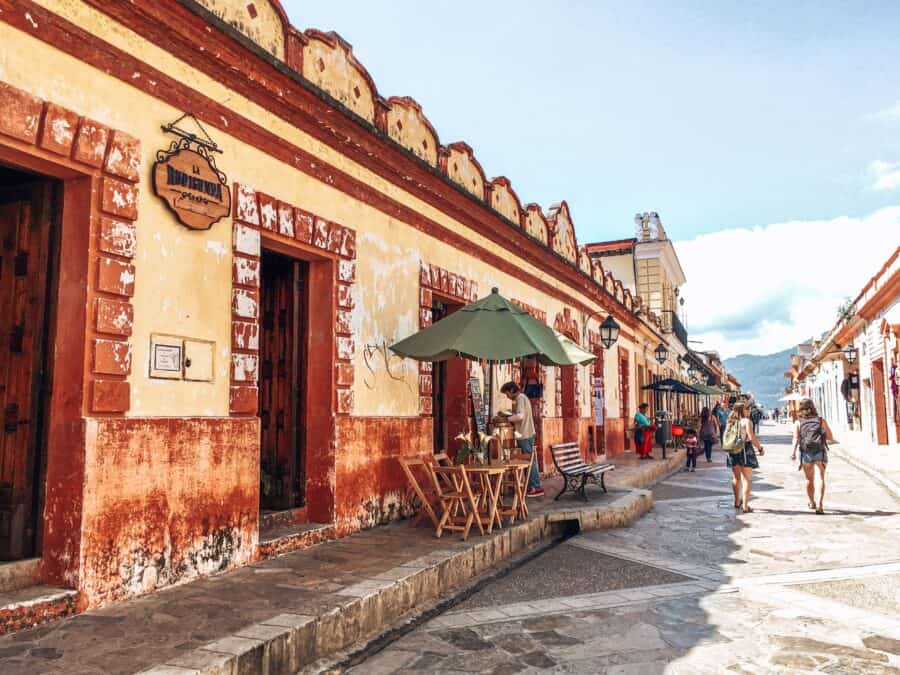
(690, 447)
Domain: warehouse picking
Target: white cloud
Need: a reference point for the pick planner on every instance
(887, 175)
(889, 114)
(765, 289)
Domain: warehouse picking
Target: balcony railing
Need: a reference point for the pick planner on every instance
(672, 324)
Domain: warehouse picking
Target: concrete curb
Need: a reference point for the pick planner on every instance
(288, 642)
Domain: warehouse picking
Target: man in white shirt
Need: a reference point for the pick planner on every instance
(523, 422)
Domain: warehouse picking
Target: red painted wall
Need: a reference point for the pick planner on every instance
(370, 485)
(166, 500)
(614, 429)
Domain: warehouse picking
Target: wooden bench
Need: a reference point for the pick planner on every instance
(575, 473)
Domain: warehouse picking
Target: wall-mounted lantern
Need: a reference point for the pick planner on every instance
(609, 332)
(661, 353)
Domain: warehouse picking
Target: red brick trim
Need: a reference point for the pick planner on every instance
(174, 28)
(114, 157)
(436, 280)
(255, 212)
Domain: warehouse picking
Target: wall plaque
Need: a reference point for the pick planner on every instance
(186, 178)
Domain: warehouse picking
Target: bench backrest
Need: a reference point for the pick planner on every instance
(566, 455)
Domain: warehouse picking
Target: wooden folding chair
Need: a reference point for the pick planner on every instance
(458, 503)
(442, 458)
(522, 488)
(429, 496)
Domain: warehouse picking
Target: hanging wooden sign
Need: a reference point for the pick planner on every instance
(186, 178)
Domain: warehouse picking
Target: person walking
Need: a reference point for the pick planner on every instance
(755, 417)
(721, 413)
(523, 422)
(690, 449)
(709, 431)
(739, 441)
(643, 433)
(811, 436)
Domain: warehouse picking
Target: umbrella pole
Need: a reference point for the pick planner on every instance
(490, 403)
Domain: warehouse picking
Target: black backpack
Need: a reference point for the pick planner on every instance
(812, 435)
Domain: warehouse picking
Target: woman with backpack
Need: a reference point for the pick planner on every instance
(709, 432)
(739, 442)
(811, 436)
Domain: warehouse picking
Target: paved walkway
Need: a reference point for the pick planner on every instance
(880, 460)
(306, 603)
(694, 587)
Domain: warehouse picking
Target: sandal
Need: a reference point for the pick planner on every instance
(738, 505)
(820, 511)
(747, 509)
(812, 506)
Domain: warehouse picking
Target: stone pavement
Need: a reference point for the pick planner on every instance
(693, 587)
(280, 614)
(878, 460)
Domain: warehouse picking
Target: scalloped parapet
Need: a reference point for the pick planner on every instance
(264, 22)
(609, 283)
(598, 272)
(459, 164)
(629, 301)
(563, 239)
(408, 126)
(329, 63)
(536, 223)
(504, 200)
(584, 260)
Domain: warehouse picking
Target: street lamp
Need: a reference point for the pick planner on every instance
(850, 354)
(693, 373)
(609, 332)
(661, 353)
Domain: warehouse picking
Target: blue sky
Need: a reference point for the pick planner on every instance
(716, 114)
(766, 134)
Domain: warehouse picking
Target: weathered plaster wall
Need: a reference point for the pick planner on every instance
(166, 500)
(370, 487)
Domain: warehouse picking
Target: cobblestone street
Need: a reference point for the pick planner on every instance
(694, 587)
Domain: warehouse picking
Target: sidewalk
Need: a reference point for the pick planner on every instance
(880, 461)
(281, 614)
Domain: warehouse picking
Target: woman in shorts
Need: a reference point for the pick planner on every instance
(743, 461)
(811, 434)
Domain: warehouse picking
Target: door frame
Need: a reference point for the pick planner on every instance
(45, 191)
(319, 398)
(58, 535)
(298, 375)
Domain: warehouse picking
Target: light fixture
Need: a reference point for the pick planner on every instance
(850, 354)
(609, 332)
(661, 353)
(812, 378)
(693, 373)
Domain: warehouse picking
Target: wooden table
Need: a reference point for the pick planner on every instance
(490, 479)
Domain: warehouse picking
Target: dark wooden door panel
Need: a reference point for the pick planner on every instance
(282, 303)
(25, 224)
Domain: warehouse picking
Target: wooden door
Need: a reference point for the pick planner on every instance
(281, 377)
(625, 394)
(26, 214)
(449, 389)
(879, 402)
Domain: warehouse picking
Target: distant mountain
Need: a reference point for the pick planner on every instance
(763, 375)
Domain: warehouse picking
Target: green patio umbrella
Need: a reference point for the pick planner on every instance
(492, 329)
